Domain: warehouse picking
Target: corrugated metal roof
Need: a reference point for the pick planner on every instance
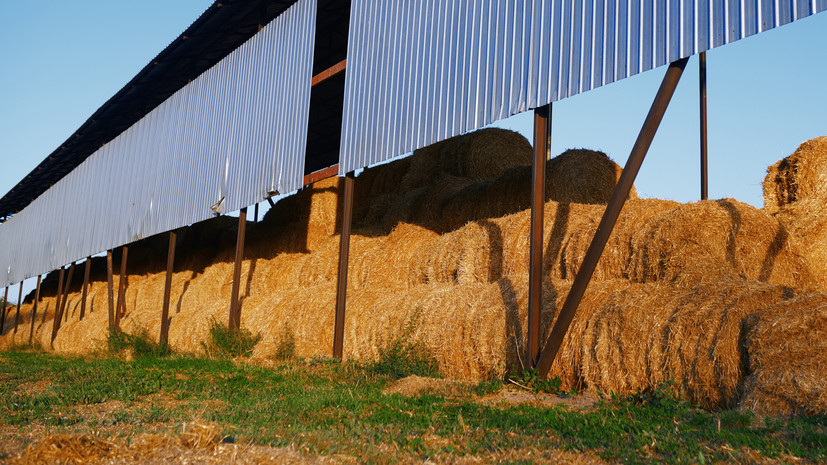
(423, 71)
(228, 139)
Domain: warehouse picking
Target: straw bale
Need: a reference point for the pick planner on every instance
(806, 220)
(689, 336)
(787, 352)
(480, 155)
(583, 176)
(575, 176)
(799, 176)
(707, 241)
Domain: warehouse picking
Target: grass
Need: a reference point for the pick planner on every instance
(327, 407)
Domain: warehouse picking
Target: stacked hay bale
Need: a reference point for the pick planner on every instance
(795, 192)
(440, 254)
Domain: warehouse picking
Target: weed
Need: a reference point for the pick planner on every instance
(140, 344)
(532, 380)
(402, 356)
(286, 346)
(224, 343)
(487, 387)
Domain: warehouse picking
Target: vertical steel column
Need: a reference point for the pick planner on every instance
(235, 311)
(164, 338)
(121, 306)
(255, 214)
(704, 165)
(19, 303)
(59, 309)
(604, 229)
(109, 285)
(34, 308)
(85, 287)
(59, 291)
(542, 146)
(63, 313)
(3, 310)
(341, 283)
(56, 319)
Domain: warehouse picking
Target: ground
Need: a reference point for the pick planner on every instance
(184, 409)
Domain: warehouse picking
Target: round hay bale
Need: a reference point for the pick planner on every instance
(806, 220)
(583, 176)
(709, 241)
(787, 352)
(627, 337)
(800, 176)
(480, 155)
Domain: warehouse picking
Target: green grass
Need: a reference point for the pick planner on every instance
(327, 407)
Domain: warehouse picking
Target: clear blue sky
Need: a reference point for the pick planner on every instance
(62, 60)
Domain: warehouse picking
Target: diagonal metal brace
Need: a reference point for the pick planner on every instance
(610, 215)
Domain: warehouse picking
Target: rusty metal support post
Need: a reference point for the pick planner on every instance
(109, 285)
(164, 338)
(610, 215)
(19, 303)
(63, 313)
(341, 283)
(85, 289)
(56, 319)
(235, 310)
(120, 308)
(3, 310)
(704, 165)
(542, 147)
(34, 308)
(59, 296)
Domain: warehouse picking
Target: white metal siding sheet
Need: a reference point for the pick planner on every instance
(421, 71)
(237, 133)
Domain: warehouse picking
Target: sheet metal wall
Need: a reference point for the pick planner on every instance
(230, 137)
(420, 71)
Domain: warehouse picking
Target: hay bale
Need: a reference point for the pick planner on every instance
(689, 336)
(799, 176)
(787, 352)
(806, 220)
(583, 176)
(708, 241)
(480, 155)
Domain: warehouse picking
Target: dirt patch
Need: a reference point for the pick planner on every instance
(511, 396)
(37, 388)
(417, 385)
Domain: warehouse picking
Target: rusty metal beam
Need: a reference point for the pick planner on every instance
(344, 249)
(317, 176)
(235, 309)
(19, 303)
(121, 306)
(542, 147)
(164, 338)
(63, 313)
(34, 308)
(3, 310)
(329, 73)
(85, 289)
(56, 319)
(610, 215)
(111, 300)
(704, 165)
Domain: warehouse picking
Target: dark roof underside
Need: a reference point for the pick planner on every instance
(220, 30)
